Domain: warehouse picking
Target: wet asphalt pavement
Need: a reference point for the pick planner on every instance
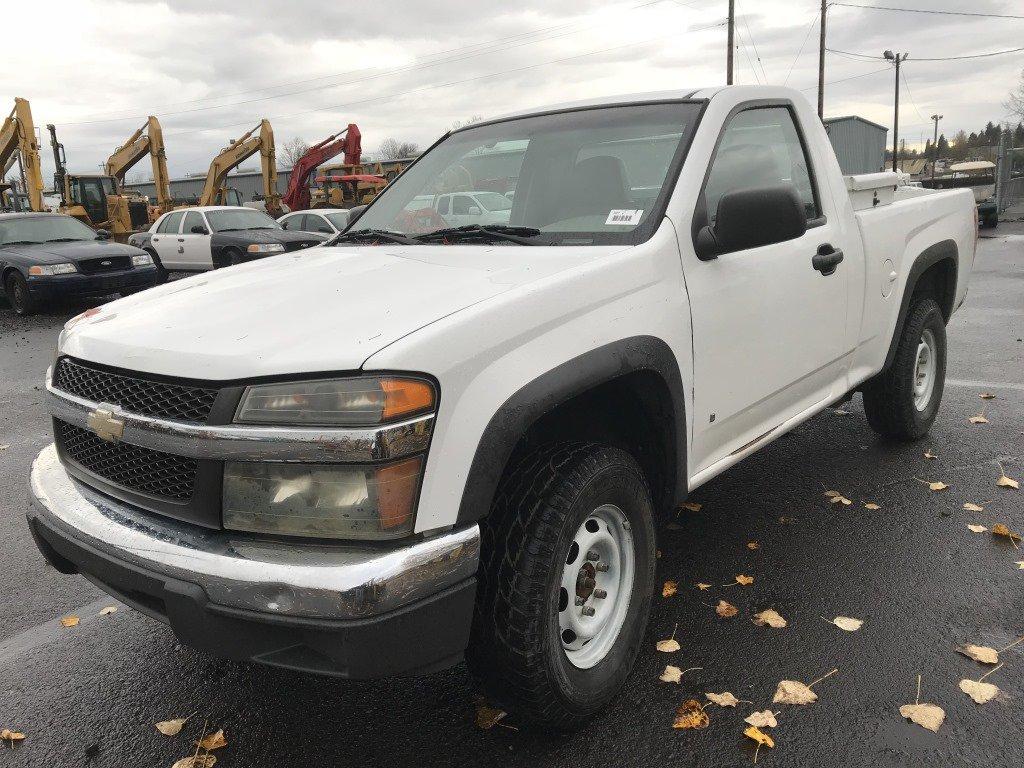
(920, 580)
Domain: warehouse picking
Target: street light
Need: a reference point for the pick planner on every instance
(897, 59)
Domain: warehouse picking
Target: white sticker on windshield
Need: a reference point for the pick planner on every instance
(623, 216)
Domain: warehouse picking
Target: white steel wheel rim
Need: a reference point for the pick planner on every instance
(925, 369)
(596, 585)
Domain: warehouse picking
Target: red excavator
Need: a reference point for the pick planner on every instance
(297, 195)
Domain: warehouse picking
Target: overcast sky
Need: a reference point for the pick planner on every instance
(211, 69)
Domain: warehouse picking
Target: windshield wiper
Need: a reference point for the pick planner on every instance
(361, 235)
(20, 242)
(64, 240)
(486, 232)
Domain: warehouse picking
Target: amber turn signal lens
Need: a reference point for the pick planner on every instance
(397, 485)
(404, 397)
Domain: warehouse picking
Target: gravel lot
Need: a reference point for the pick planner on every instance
(921, 581)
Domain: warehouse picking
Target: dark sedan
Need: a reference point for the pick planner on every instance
(48, 257)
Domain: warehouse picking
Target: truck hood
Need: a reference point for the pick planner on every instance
(318, 310)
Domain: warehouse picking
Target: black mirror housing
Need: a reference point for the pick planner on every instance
(751, 218)
(199, 229)
(102, 234)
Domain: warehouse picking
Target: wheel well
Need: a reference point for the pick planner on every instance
(6, 276)
(938, 282)
(633, 412)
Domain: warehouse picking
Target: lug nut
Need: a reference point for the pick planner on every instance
(602, 567)
(600, 594)
(593, 556)
(580, 601)
(588, 611)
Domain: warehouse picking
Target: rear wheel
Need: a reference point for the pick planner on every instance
(18, 294)
(903, 401)
(566, 581)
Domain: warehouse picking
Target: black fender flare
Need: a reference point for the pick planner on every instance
(929, 257)
(545, 393)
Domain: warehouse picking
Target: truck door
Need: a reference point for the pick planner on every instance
(194, 247)
(165, 241)
(768, 327)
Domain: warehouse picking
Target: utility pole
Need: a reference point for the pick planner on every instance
(935, 144)
(732, 28)
(821, 63)
(897, 59)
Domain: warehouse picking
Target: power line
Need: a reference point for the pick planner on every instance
(910, 95)
(869, 57)
(938, 13)
(462, 53)
(852, 77)
(806, 37)
(753, 45)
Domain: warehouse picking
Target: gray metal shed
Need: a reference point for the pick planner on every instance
(248, 183)
(859, 144)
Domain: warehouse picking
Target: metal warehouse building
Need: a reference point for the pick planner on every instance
(859, 144)
(248, 183)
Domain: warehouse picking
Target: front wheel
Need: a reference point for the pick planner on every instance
(18, 294)
(566, 578)
(903, 401)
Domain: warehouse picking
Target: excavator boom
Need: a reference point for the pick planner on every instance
(147, 140)
(296, 196)
(18, 135)
(238, 152)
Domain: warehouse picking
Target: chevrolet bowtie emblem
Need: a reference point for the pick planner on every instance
(105, 426)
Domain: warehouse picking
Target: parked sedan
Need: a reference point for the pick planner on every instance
(45, 257)
(325, 221)
(210, 237)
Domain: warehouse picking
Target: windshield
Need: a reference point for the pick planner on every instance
(339, 220)
(42, 229)
(583, 177)
(240, 218)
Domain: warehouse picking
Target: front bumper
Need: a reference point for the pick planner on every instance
(344, 610)
(76, 284)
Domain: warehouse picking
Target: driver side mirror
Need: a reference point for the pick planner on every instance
(199, 229)
(751, 218)
(102, 234)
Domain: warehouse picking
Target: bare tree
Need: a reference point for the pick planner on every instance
(293, 149)
(393, 149)
(463, 123)
(1015, 104)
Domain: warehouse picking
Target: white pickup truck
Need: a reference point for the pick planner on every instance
(423, 443)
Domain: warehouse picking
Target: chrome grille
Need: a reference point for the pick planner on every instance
(177, 402)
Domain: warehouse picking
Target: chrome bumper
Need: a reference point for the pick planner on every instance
(238, 571)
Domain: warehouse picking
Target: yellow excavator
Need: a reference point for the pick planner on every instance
(96, 199)
(148, 140)
(18, 144)
(259, 139)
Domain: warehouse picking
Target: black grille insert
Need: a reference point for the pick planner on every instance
(154, 473)
(104, 264)
(177, 402)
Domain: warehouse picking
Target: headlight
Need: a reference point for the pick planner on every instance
(52, 269)
(142, 260)
(362, 401)
(265, 248)
(338, 501)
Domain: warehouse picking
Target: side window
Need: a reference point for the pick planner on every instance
(760, 147)
(315, 223)
(442, 205)
(192, 219)
(460, 205)
(170, 224)
(287, 221)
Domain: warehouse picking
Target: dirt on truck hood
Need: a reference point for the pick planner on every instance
(319, 310)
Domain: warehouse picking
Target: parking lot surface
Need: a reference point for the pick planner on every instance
(912, 570)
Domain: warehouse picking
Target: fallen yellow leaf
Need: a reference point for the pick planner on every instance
(752, 545)
(671, 674)
(196, 761)
(973, 507)
(765, 719)
(770, 618)
(987, 396)
(11, 736)
(691, 715)
(69, 621)
(927, 716)
(487, 717)
(691, 506)
(929, 455)
(937, 486)
(724, 699)
(793, 692)
(671, 645)
(977, 528)
(1000, 529)
(848, 624)
(212, 741)
(981, 653)
(1020, 565)
(726, 610)
(108, 610)
(702, 586)
(871, 505)
(978, 418)
(837, 498)
(669, 588)
(744, 580)
(762, 739)
(982, 693)
(786, 520)
(1007, 482)
(172, 727)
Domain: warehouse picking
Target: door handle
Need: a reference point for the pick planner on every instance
(181, 239)
(826, 259)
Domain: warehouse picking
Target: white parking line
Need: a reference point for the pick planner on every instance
(51, 631)
(971, 384)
